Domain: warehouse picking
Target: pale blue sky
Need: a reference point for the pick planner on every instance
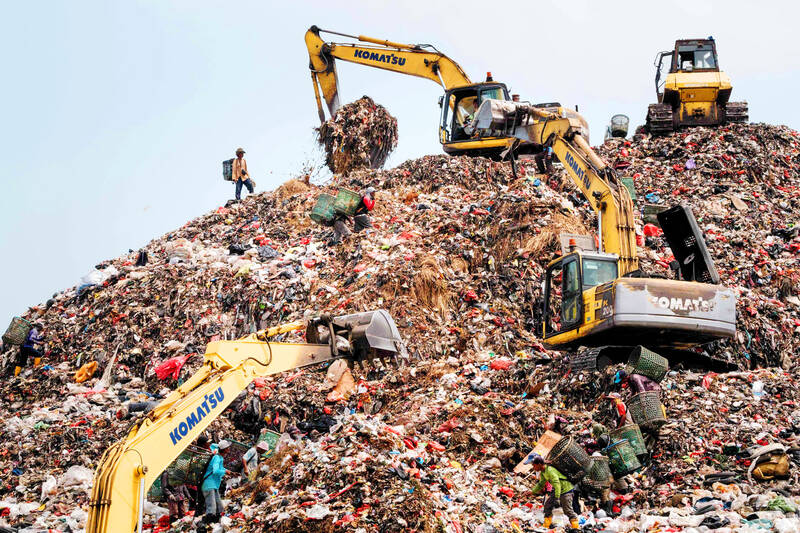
(116, 115)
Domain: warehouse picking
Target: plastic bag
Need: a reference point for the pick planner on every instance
(49, 487)
(172, 367)
(76, 475)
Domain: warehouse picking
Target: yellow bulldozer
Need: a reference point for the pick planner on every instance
(695, 92)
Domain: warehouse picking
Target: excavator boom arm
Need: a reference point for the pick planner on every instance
(566, 131)
(422, 61)
(128, 468)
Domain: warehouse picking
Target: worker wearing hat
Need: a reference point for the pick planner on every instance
(557, 488)
(240, 174)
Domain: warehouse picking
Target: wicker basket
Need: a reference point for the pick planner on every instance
(17, 331)
(647, 363)
(632, 434)
(569, 458)
(232, 455)
(188, 468)
(599, 474)
(323, 209)
(347, 202)
(622, 458)
(646, 410)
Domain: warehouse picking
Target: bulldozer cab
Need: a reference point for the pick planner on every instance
(459, 106)
(565, 281)
(689, 55)
(694, 55)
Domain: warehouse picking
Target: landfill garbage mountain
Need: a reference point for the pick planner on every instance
(456, 256)
(361, 134)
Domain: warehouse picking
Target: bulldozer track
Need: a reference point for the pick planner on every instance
(736, 112)
(659, 119)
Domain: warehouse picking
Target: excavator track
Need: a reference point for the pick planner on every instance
(736, 112)
(659, 119)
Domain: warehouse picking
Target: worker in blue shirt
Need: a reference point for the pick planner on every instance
(210, 487)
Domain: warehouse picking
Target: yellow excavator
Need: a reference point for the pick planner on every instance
(597, 298)
(695, 91)
(458, 104)
(128, 468)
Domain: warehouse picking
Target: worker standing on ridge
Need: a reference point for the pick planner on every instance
(28, 348)
(361, 220)
(240, 174)
(212, 479)
(560, 490)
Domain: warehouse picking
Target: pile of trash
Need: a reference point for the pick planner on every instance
(456, 255)
(361, 134)
(743, 185)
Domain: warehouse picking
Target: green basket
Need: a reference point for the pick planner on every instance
(271, 438)
(647, 363)
(347, 202)
(17, 331)
(569, 458)
(632, 434)
(628, 183)
(650, 212)
(323, 209)
(188, 468)
(599, 474)
(622, 458)
(645, 409)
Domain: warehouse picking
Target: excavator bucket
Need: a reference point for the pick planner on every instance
(363, 336)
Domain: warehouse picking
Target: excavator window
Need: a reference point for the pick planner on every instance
(597, 271)
(447, 124)
(563, 296)
(495, 93)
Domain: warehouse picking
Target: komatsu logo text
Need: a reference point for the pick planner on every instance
(210, 402)
(577, 169)
(682, 304)
(390, 59)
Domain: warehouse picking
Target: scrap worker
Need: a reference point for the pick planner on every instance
(28, 348)
(250, 459)
(544, 160)
(361, 220)
(558, 489)
(177, 497)
(212, 479)
(240, 174)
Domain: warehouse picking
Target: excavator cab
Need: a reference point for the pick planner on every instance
(588, 303)
(458, 109)
(566, 280)
(694, 92)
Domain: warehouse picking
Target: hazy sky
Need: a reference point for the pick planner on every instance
(116, 115)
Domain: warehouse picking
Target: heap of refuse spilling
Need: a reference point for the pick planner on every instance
(456, 255)
(361, 134)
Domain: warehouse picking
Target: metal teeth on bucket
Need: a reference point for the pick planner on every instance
(373, 337)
